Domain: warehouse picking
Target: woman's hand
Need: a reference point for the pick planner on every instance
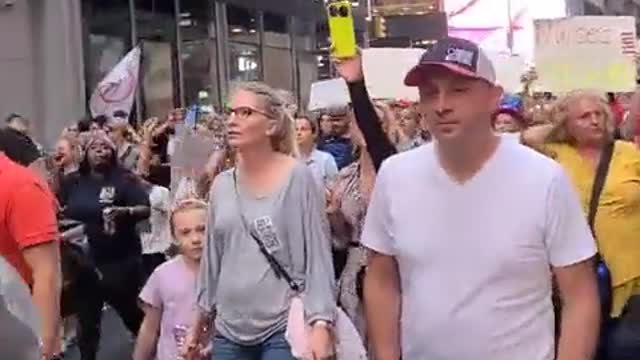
(191, 347)
(115, 212)
(322, 343)
(350, 69)
(333, 202)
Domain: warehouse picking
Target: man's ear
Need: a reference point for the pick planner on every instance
(496, 95)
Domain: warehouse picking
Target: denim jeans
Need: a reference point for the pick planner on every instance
(274, 348)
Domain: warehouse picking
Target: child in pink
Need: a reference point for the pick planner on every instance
(168, 298)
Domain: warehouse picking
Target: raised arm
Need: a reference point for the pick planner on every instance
(378, 144)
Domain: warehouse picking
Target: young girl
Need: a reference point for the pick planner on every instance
(168, 298)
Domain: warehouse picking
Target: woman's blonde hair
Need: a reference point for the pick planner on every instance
(75, 145)
(284, 138)
(559, 115)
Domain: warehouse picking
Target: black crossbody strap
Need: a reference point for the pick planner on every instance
(598, 183)
(273, 262)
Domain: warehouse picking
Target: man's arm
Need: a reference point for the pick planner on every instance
(32, 224)
(382, 300)
(571, 249)
(580, 324)
(382, 291)
(44, 261)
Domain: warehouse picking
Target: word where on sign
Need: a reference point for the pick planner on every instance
(596, 35)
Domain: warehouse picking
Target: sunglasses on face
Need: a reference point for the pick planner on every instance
(244, 112)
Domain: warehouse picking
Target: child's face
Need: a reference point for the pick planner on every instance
(189, 226)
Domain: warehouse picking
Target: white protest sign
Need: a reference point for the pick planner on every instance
(509, 70)
(586, 52)
(328, 93)
(385, 70)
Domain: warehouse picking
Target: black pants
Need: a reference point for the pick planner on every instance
(118, 285)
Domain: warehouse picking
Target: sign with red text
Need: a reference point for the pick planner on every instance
(586, 52)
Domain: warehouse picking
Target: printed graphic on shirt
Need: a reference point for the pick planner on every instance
(107, 195)
(267, 233)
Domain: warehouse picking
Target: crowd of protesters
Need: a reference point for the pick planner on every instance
(459, 227)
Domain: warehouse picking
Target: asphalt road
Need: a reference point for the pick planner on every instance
(115, 343)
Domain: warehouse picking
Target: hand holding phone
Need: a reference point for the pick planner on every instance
(341, 28)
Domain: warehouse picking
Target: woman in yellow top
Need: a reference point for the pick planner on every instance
(581, 124)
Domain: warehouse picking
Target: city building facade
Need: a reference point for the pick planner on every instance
(55, 52)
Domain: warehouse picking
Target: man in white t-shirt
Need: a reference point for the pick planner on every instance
(465, 234)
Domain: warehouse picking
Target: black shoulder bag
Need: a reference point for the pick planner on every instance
(273, 262)
(604, 276)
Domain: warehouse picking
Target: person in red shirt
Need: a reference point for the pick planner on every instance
(29, 238)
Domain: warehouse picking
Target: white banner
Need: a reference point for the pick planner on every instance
(328, 93)
(385, 70)
(586, 52)
(116, 92)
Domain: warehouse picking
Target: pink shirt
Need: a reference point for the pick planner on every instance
(172, 288)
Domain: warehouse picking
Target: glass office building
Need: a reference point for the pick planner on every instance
(57, 51)
(195, 48)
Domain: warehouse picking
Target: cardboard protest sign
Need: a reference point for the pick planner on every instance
(586, 52)
(385, 70)
(509, 69)
(328, 93)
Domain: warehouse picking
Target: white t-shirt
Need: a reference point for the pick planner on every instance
(474, 259)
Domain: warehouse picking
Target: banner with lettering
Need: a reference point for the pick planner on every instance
(586, 52)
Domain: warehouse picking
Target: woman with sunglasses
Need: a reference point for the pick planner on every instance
(268, 203)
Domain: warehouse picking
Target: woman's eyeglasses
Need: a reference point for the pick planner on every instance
(244, 112)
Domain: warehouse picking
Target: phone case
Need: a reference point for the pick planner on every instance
(341, 29)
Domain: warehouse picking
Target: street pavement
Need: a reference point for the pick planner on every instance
(115, 342)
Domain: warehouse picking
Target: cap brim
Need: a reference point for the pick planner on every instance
(418, 74)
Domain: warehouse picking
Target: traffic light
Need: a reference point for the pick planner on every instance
(379, 27)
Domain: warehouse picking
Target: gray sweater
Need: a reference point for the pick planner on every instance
(235, 279)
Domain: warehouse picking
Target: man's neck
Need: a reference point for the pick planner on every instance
(465, 158)
(306, 150)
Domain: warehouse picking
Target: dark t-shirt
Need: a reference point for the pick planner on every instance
(84, 197)
(339, 147)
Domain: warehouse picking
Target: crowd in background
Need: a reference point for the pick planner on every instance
(115, 179)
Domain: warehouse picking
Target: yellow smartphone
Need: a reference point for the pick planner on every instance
(343, 36)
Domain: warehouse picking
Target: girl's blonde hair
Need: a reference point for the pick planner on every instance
(559, 115)
(284, 138)
(184, 205)
(76, 147)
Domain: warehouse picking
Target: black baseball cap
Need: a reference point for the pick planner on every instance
(459, 56)
(18, 147)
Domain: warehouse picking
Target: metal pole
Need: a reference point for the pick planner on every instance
(134, 42)
(181, 98)
(510, 30)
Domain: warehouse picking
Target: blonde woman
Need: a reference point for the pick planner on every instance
(582, 126)
(268, 202)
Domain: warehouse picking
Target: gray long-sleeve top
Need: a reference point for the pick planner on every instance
(237, 282)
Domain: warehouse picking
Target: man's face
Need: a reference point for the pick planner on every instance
(338, 125)
(456, 106)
